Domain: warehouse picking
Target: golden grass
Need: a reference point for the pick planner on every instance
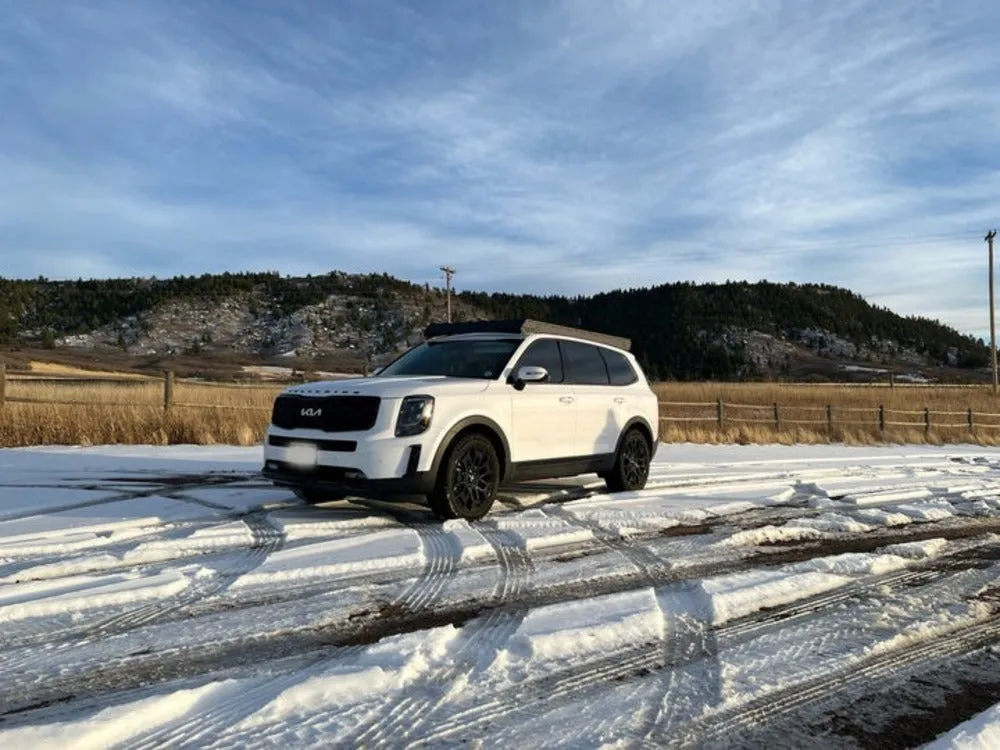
(132, 413)
(854, 411)
(119, 413)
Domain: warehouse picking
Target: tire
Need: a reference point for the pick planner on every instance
(468, 480)
(631, 470)
(316, 497)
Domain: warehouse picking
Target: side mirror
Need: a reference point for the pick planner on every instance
(529, 374)
(376, 371)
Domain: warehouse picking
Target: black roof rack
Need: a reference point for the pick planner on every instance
(524, 326)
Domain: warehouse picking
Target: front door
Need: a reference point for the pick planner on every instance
(543, 415)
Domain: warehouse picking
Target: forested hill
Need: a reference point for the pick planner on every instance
(687, 330)
(681, 330)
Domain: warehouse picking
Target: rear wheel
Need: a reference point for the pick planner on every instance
(468, 481)
(315, 497)
(631, 468)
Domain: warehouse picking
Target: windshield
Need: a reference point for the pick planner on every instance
(475, 358)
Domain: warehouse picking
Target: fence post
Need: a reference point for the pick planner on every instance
(927, 419)
(168, 389)
(720, 411)
(881, 418)
(777, 418)
(971, 423)
(3, 384)
(829, 417)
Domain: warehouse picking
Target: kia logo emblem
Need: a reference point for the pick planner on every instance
(311, 412)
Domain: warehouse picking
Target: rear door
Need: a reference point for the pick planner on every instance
(596, 425)
(621, 374)
(543, 417)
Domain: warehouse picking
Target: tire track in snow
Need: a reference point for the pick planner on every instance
(265, 539)
(754, 625)
(201, 728)
(480, 640)
(171, 490)
(156, 488)
(689, 639)
(828, 689)
(267, 648)
(650, 565)
(441, 554)
(426, 590)
(35, 627)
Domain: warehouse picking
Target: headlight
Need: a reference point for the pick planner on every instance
(414, 415)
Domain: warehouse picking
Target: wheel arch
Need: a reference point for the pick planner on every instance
(482, 425)
(644, 427)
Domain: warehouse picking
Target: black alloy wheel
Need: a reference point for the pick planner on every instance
(469, 479)
(631, 469)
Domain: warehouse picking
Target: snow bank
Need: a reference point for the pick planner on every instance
(981, 732)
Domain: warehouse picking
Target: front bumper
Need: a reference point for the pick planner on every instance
(378, 467)
(346, 481)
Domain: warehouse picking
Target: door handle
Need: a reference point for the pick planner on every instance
(567, 399)
(619, 400)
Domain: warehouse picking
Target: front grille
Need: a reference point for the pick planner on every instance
(326, 413)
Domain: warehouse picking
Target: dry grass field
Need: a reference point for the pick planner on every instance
(825, 413)
(132, 413)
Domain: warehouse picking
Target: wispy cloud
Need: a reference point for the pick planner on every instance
(549, 146)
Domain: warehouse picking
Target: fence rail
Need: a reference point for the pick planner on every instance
(719, 413)
(167, 384)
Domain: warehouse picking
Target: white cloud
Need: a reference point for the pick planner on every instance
(564, 146)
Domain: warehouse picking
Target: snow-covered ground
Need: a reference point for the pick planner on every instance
(807, 596)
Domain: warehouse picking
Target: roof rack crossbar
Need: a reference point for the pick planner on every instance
(524, 326)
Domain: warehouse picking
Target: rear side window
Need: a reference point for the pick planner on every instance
(584, 364)
(619, 368)
(544, 353)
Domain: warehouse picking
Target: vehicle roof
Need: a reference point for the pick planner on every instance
(523, 327)
(519, 336)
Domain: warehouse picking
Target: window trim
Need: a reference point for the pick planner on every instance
(562, 360)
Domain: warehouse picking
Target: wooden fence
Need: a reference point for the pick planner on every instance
(168, 386)
(721, 414)
(718, 413)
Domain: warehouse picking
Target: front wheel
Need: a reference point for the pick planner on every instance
(469, 479)
(631, 470)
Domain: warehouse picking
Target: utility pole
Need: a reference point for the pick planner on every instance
(993, 328)
(449, 272)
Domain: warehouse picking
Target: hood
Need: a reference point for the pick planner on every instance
(391, 387)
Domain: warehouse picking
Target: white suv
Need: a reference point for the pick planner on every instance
(475, 407)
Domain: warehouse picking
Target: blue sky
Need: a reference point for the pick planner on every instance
(853, 143)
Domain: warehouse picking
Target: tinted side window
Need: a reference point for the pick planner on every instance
(544, 353)
(584, 364)
(619, 368)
